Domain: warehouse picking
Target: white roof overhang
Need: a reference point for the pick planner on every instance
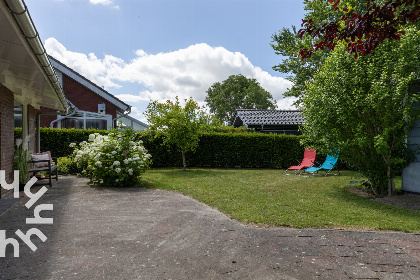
(24, 65)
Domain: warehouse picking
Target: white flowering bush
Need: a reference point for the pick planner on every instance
(116, 159)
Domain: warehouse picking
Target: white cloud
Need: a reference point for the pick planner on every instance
(89, 65)
(102, 2)
(184, 73)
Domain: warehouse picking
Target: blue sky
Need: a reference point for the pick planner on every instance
(158, 49)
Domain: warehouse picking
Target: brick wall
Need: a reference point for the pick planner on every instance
(83, 98)
(6, 132)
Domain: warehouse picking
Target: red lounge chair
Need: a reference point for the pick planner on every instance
(308, 161)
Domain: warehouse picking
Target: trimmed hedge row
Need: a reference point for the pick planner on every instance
(253, 150)
(244, 150)
(58, 140)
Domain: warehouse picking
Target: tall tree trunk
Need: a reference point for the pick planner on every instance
(391, 183)
(184, 163)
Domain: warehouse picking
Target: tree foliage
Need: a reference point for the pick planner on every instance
(288, 43)
(179, 124)
(363, 30)
(362, 107)
(237, 92)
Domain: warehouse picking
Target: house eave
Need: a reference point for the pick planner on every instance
(24, 66)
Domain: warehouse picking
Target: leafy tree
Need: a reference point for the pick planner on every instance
(363, 107)
(237, 92)
(362, 31)
(288, 43)
(179, 125)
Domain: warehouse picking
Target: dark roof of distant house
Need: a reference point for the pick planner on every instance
(268, 117)
(58, 65)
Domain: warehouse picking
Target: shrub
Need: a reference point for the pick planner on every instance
(115, 159)
(67, 165)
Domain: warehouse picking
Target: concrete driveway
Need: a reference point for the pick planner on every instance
(156, 234)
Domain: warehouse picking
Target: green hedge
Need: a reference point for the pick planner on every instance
(58, 140)
(244, 150)
(248, 150)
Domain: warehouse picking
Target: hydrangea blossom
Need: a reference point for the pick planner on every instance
(116, 159)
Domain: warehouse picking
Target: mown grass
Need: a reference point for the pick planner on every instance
(268, 197)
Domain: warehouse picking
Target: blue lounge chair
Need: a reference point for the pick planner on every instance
(328, 165)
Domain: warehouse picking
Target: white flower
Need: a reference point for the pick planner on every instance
(135, 156)
(72, 145)
(130, 171)
(91, 137)
(25, 144)
(113, 152)
(126, 161)
(18, 142)
(98, 163)
(118, 170)
(116, 163)
(117, 180)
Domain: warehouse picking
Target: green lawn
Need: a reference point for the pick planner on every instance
(268, 197)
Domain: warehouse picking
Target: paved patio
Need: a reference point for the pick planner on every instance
(155, 234)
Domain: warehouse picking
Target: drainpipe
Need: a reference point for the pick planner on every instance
(67, 116)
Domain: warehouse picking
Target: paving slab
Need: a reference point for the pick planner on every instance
(135, 233)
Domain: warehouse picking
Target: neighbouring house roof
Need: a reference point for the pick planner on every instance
(134, 120)
(24, 66)
(246, 117)
(61, 67)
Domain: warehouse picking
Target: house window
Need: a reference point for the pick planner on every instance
(78, 123)
(98, 124)
(18, 116)
(72, 123)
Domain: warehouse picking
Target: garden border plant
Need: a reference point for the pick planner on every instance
(114, 160)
